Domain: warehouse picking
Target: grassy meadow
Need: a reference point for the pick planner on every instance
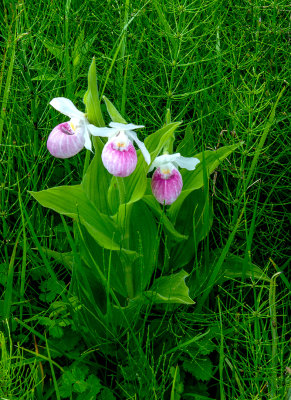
(221, 67)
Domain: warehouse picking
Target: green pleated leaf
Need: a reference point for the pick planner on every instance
(195, 179)
(113, 112)
(143, 240)
(97, 179)
(104, 265)
(91, 98)
(187, 146)
(73, 202)
(139, 235)
(194, 219)
(170, 289)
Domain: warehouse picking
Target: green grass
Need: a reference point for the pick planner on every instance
(219, 66)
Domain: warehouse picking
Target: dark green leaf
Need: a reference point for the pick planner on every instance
(143, 240)
(194, 219)
(170, 289)
(91, 98)
(234, 267)
(200, 369)
(65, 259)
(112, 111)
(135, 184)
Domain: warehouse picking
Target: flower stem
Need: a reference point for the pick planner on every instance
(121, 190)
(86, 164)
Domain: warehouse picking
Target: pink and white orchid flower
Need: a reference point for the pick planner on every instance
(119, 155)
(167, 181)
(68, 138)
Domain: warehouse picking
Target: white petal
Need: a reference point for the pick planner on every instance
(187, 162)
(87, 143)
(164, 159)
(104, 132)
(66, 107)
(133, 136)
(125, 127)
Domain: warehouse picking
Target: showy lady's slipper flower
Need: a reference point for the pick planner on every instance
(68, 138)
(119, 155)
(167, 181)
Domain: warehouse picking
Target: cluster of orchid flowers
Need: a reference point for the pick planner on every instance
(119, 155)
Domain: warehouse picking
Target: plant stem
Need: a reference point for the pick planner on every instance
(123, 218)
(121, 190)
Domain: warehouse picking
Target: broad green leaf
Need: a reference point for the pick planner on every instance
(194, 179)
(139, 235)
(97, 180)
(112, 111)
(170, 289)
(73, 202)
(194, 219)
(166, 223)
(156, 141)
(143, 240)
(91, 98)
(187, 147)
(105, 265)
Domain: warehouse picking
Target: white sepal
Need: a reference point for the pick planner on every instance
(177, 160)
(187, 162)
(124, 127)
(87, 143)
(104, 132)
(66, 107)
